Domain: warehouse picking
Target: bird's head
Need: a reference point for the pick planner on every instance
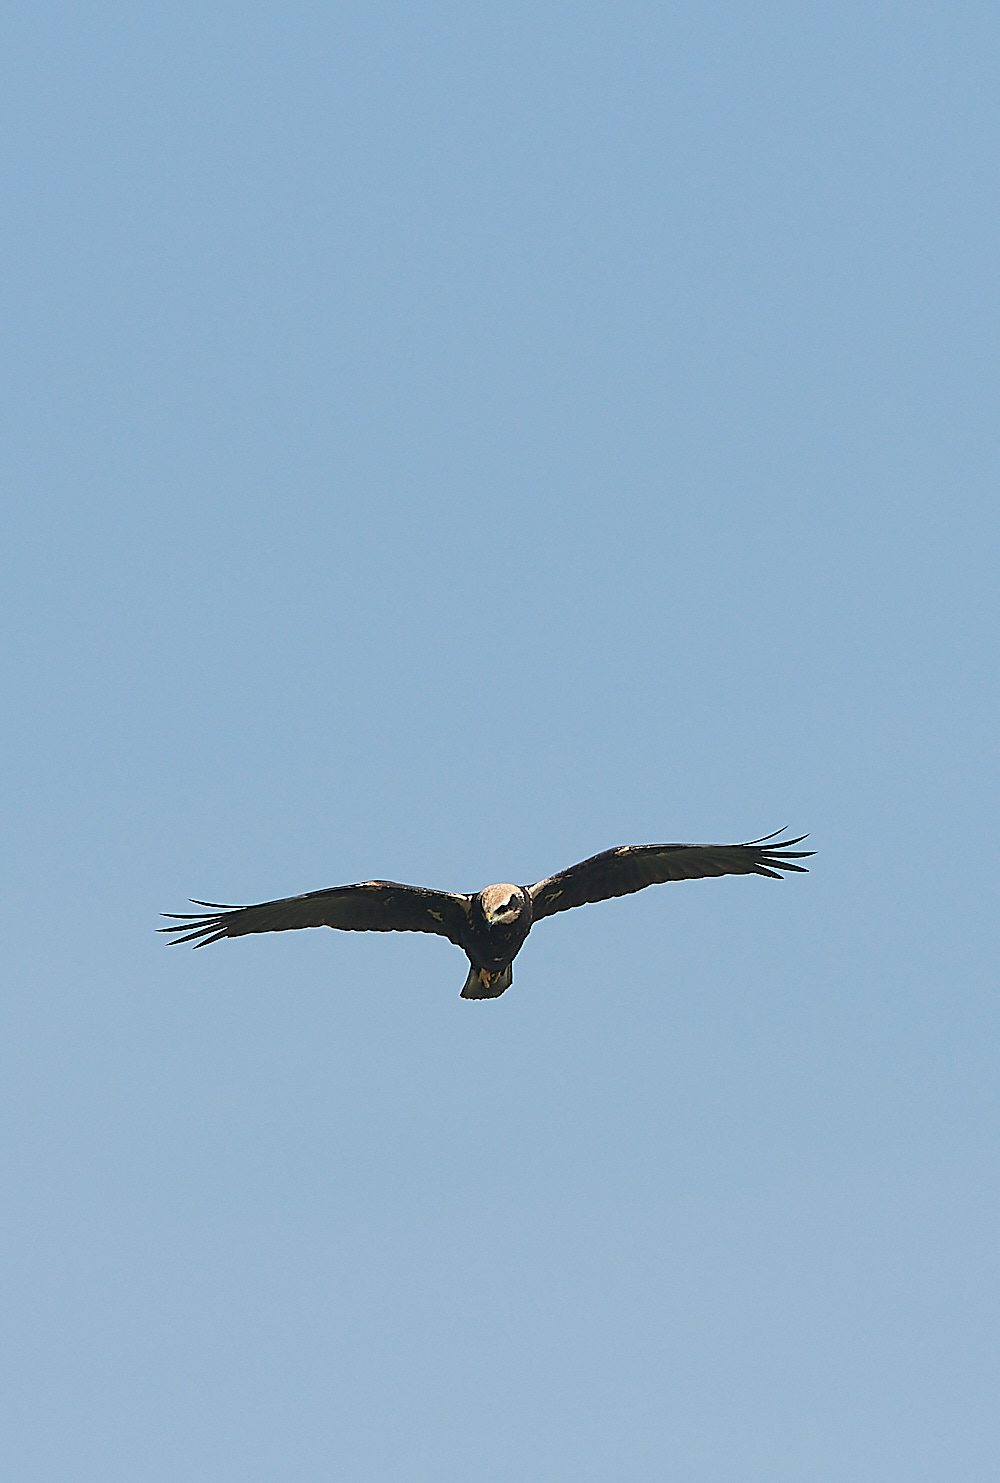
(502, 905)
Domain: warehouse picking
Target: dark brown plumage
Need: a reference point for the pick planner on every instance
(492, 925)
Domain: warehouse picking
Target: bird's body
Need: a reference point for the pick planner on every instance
(499, 921)
(492, 925)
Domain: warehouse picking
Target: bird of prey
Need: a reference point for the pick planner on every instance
(491, 926)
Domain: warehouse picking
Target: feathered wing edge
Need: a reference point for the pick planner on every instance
(371, 906)
(629, 868)
(776, 857)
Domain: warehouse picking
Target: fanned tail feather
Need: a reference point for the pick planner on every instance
(483, 985)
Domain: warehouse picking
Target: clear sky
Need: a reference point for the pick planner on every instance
(440, 442)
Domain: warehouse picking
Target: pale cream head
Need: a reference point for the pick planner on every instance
(501, 903)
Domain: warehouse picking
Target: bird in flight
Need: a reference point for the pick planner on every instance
(491, 926)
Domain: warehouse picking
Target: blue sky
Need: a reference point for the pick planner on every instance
(441, 442)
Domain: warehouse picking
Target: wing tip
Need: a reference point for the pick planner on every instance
(779, 856)
(198, 927)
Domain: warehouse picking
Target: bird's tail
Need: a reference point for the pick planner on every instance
(483, 985)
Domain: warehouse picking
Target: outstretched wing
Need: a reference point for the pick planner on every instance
(372, 906)
(633, 867)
